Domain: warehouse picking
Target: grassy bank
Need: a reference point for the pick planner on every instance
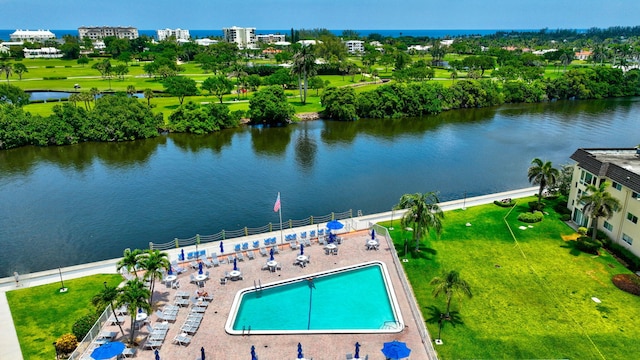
(532, 291)
(41, 314)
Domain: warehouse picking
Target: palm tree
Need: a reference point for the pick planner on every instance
(543, 174)
(105, 298)
(154, 262)
(303, 65)
(598, 203)
(130, 261)
(7, 69)
(148, 94)
(422, 212)
(131, 90)
(449, 283)
(134, 296)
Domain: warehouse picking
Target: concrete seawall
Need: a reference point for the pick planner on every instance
(10, 347)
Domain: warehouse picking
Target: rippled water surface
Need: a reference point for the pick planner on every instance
(73, 204)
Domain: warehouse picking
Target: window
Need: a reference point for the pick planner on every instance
(616, 186)
(632, 218)
(635, 195)
(586, 178)
(626, 238)
(608, 226)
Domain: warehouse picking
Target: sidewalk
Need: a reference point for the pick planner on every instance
(10, 347)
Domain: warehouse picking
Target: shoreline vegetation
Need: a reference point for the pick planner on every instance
(197, 89)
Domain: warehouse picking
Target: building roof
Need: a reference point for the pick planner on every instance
(619, 165)
(34, 33)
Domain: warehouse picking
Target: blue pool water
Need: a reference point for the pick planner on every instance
(347, 300)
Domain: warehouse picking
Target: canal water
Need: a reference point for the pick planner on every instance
(61, 206)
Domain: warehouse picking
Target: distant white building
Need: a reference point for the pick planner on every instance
(205, 41)
(47, 52)
(309, 42)
(244, 37)
(447, 42)
(178, 34)
(101, 32)
(4, 49)
(32, 35)
(270, 38)
(354, 46)
(419, 47)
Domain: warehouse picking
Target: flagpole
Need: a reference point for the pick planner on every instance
(280, 212)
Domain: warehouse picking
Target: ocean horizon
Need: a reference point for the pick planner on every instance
(432, 33)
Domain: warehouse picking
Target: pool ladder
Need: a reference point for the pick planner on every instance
(248, 330)
(391, 324)
(257, 286)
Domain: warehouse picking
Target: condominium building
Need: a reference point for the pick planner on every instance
(32, 35)
(100, 32)
(178, 34)
(354, 46)
(244, 37)
(621, 168)
(270, 38)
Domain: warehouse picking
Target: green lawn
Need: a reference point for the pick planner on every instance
(41, 314)
(532, 294)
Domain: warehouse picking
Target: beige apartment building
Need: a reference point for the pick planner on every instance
(621, 168)
(100, 32)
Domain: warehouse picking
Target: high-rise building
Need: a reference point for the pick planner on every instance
(244, 37)
(178, 34)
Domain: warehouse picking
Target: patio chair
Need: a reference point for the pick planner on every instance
(239, 256)
(129, 352)
(192, 279)
(175, 284)
(206, 261)
(267, 241)
(191, 255)
(223, 281)
(276, 249)
(182, 339)
(245, 246)
(265, 267)
(263, 251)
(238, 247)
(194, 265)
(215, 261)
(307, 242)
(349, 356)
(303, 235)
(250, 255)
(230, 258)
(153, 344)
(321, 241)
(294, 245)
(312, 234)
(256, 244)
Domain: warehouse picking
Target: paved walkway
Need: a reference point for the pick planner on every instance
(10, 347)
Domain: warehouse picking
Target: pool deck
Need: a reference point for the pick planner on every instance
(211, 334)
(219, 345)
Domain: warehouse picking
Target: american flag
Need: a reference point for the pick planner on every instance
(276, 206)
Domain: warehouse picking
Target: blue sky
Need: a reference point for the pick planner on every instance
(330, 14)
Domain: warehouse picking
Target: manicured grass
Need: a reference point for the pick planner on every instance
(532, 294)
(42, 314)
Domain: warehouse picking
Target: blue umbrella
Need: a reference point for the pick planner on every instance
(202, 353)
(181, 257)
(300, 356)
(235, 266)
(200, 268)
(253, 353)
(373, 234)
(357, 355)
(334, 225)
(301, 249)
(271, 253)
(221, 247)
(170, 270)
(108, 350)
(157, 355)
(395, 350)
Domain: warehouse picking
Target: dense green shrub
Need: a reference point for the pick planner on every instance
(82, 326)
(534, 206)
(49, 66)
(627, 282)
(561, 208)
(529, 217)
(633, 262)
(54, 78)
(565, 217)
(509, 203)
(588, 245)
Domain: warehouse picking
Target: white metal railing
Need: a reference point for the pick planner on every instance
(86, 343)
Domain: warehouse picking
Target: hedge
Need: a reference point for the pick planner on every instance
(533, 217)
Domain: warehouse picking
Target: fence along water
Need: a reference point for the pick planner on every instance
(246, 231)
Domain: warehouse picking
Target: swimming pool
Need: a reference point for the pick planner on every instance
(354, 299)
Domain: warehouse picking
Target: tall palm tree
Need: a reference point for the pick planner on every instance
(543, 174)
(134, 295)
(154, 263)
(423, 212)
(598, 203)
(7, 69)
(148, 94)
(304, 62)
(105, 298)
(449, 283)
(129, 261)
(131, 89)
